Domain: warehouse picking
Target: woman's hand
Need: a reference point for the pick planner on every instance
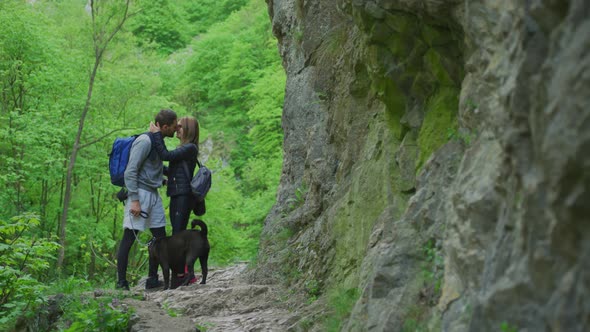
(154, 128)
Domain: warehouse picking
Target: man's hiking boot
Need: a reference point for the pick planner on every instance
(153, 282)
(122, 285)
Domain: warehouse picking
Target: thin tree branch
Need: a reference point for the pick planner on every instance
(101, 138)
(27, 255)
(101, 257)
(100, 51)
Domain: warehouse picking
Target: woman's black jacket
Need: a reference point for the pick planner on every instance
(178, 179)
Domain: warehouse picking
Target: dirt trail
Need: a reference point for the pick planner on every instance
(225, 303)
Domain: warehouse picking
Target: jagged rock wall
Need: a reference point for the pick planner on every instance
(437, 158)
(517, 252)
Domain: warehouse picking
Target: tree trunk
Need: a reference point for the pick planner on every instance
(101, 42)
(71, 164)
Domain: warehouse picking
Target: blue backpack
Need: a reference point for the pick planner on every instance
(118, 159)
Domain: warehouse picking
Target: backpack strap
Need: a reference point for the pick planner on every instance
(185, 166)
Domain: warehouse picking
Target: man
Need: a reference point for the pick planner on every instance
(144, 208)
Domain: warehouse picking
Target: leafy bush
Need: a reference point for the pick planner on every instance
(100, 314)
(25, 259)
(159, 23)
(204, 13)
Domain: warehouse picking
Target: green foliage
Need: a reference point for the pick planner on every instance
(313, 288)
(95, 314)
(332, 42)
(158, 25)
(471, 105)
(26, 258)
(440, 116)
(230, 78)
(465, 137)
(203, 327)
(70, 285)
(204, 13)
(506, 327)
(284, 235)
(83, 311)
(415, 319)
(266, 132)
(170, 311)
(341, 302)
(290, 272)
(23, 52)
(40, 136)
(432, 269)
(298, 35)
(234, 222)
(299, 199)
(235, 82)
(22, 48)
(420, 316)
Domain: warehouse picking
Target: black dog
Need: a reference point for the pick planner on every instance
(180, 250)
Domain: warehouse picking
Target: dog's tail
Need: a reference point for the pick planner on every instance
(200, 223)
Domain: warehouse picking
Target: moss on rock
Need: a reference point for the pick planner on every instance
(433, 62)
(441, 117)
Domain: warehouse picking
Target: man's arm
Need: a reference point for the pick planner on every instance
(138, 154)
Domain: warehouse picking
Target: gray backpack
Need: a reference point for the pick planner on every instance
(201, 182)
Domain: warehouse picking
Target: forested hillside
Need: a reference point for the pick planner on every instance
(103, 69)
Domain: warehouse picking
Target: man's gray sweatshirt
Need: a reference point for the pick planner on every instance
(144, 169)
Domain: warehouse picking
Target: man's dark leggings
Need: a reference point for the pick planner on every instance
(125, 246)
(180, 211)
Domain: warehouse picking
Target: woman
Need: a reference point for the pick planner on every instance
(181, 167)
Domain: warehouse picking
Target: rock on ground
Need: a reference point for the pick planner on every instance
(226, 303)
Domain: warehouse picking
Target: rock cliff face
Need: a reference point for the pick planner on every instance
(436, 160)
